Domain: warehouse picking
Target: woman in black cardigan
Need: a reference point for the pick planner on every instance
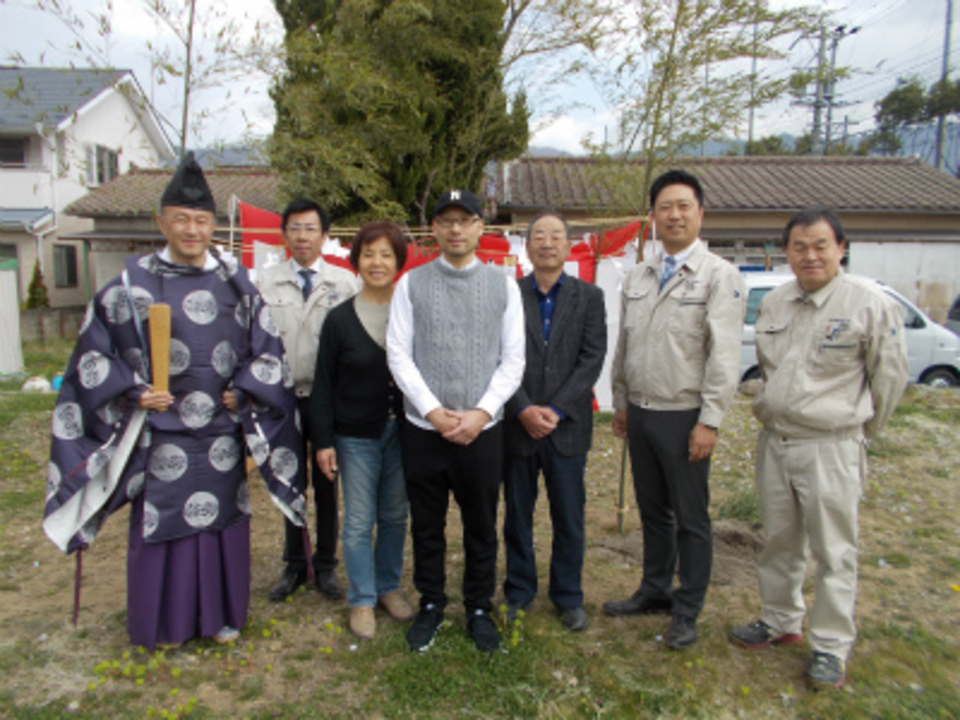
(355, 410)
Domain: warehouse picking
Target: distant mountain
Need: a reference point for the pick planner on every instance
(543, 151)
(245, 155)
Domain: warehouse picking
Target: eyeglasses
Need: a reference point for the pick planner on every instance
(308, 229)
(449, 222)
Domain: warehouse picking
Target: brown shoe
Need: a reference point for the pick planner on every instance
(396, 606)
(362, 622)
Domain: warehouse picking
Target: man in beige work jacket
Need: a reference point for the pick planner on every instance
(300, 291)
(834, 361)
(675, 372)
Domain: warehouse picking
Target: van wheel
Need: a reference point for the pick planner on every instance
(940, 378)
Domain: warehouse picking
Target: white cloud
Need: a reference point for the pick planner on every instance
(568, 131)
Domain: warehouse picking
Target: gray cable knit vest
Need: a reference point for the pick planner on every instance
(457, 319)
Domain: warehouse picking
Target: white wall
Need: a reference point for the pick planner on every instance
(926, 273)
(11, 359)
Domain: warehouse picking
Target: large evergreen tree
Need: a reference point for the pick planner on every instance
(386, 103)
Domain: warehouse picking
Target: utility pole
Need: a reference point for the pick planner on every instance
(831, 84)
(944, 74)
(815, 147)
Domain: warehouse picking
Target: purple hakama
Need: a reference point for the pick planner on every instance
(188, 587)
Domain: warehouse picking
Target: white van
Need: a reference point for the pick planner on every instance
(933, 351)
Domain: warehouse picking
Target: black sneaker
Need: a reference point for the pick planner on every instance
(484, 633)
(826, 671)
(424, 629)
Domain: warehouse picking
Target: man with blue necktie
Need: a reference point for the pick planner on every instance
(675, 372)
(300, 291)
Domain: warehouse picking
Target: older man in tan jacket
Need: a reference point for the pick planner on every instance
(300, 292)
(834, 361)
(675, 373)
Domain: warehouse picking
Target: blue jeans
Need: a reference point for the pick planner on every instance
(374, 495)
(563, 479)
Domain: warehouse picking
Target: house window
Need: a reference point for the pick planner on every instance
(13, 152)
(102, 164)
(65, 265)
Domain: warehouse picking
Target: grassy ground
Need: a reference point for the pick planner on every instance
(296, 659)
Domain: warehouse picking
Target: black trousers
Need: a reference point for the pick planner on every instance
(673, 495)
(434, 468)
(325, 507)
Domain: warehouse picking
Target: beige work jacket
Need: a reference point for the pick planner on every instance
(679, 349)
(300, 321)
(834, 361)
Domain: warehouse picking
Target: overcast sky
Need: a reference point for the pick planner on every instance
(896, 38)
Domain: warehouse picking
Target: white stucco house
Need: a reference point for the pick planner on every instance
(62, 132)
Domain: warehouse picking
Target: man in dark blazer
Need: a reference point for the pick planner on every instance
(549, 421)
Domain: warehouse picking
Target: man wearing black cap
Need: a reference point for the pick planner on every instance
(177, 456)
(455, 345)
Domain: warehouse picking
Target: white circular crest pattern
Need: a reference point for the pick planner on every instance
(267, 322)
(243, 498)
(88, 532)
(224, 453)
(97, 464)
(143, 300)
(115, 305)
(267, 369)
(196, 409)
(201, 307)
(283, 462)
(110, 411)
(93, 368)
(259, 448)
(146, 437)
(201, 509)
(53, 479)
(168, 462)
(242, 315)
(151, 518)
(135, 485)
(179, 356)
(67, 421)
(224, 359)
(87, 318)
(134, 358)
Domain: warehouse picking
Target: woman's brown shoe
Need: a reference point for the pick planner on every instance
(362, 622)
(396, 606)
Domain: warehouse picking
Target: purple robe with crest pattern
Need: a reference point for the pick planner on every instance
(184, 468)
